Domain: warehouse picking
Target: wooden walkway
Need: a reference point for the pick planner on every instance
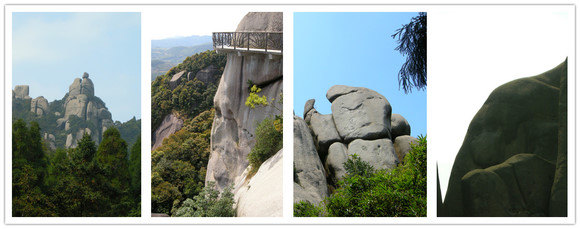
(250, 42)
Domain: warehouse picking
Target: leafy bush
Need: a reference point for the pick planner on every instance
(363, 193)
(306, 209)
(209, 203)
(268, 142)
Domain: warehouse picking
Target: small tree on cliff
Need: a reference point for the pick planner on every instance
(412, 43)
(268, 132)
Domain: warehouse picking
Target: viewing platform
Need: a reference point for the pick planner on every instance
(249, 42)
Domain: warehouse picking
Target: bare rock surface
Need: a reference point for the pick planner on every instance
(39, 106)
(21, 92)
(261, 195)
(403, 145)
(399, 126)
(309, 177)
(379, 153)
(337, 156)
(360, 113)
(324, 131)
(168, 126)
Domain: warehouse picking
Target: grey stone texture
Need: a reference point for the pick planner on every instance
(232, 136)
(399, 126)
(309, 177)
(360, 113)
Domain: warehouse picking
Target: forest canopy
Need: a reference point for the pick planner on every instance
(89, 180)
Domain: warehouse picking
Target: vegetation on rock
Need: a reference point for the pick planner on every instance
(268, 132)
(189, 98)
(364, 192)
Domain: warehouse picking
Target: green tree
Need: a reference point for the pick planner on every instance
(268, 143)
(135, 166)
(88, 181)
(412, 43)
(135, 171)
(63, 184)
(29, 171)
(112, 157)
(179, 165)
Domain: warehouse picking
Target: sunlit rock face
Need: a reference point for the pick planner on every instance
(232, 136)
(234, 125)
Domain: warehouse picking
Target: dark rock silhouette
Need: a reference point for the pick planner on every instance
(513, 159)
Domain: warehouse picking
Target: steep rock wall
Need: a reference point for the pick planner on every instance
(232, 135)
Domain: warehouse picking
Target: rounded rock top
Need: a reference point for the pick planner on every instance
(261, 22)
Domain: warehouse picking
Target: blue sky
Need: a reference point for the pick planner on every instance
(354, 49)
(50, 50)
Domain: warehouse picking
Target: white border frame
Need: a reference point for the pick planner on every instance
(288, 10)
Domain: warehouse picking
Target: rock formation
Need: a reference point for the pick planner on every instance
(232, 134)
(39, 106)
(234, 123)
(206, 75)
(513, 158)
(82, 103)
(20, 92)
(360, 124)
(176, 79)
(81, 112)
(170, 125)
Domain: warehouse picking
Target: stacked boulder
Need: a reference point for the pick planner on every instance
(361, 123)
(82, 103)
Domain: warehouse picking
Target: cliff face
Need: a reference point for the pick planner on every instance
(513, 159)
(361, 123)
(232, 136)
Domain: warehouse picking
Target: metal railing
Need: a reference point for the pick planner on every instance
(269, 42)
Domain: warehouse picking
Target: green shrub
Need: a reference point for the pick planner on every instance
(209, 203)
(306, 209)
(268, 142)
(364, 192)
